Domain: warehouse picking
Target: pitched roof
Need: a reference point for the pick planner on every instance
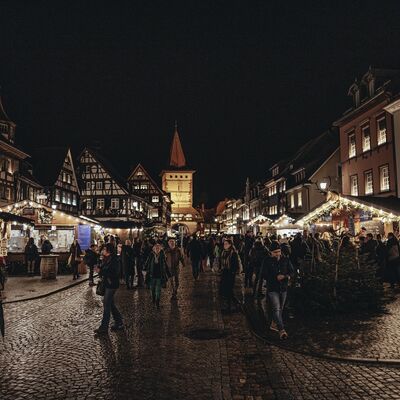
(177, 157)
(47, 163)
(140, 166)
(3, 114)
(108, 167)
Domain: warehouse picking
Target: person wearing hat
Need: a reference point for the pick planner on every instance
(277, 271)
(174, 257)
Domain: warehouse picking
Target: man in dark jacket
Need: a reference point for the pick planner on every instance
(277, 271)
(195, 253)
(109, 272)
(91, 259)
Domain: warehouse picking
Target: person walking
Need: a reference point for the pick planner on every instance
(127, 262)
(75, 258)
(109, 273)
(195, 254)
(230, 266)
(277, 271)
(91, 259)
(211, 251)
(156, 268)
(256, 257)
(393, 259)
(31, 255)
(174, 257)
(137, 261)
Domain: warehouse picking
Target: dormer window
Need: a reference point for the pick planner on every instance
(371, 87)
(3, 128)
(300, 175)
(356, 97)
(275, 171)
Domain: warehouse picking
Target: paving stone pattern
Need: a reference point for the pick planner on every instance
(50, 352)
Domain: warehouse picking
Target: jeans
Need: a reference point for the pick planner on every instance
(175, 283)
(156, 289)
(75, 265)
(277, 304)
(31, 267)
(196, 268)
(110, 308)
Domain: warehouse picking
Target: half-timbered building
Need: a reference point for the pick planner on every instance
(54, 168)
(16, 181)
(141, 184)
(104, 194)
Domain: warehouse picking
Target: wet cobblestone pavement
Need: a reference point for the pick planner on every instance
(50, 353)
(373, 336)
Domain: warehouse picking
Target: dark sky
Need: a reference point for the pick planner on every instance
(247, 81)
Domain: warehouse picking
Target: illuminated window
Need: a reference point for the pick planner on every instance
(299, 199)
(155, 199)
(88, 185)
(99, 185)
(272, 190)
(134, 205)
(369, 187)
(381, 123)
(352, 145)
(366, 138)
(354, 185)
(57, 195)
(384, 178)
(292, 200)
(88, 204)
(63, 197)
(74, 200)
(114, 203)
(144, 186)
(100, 204)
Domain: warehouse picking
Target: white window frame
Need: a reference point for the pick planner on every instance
(57, 195)
(100, 204)
(74, 199)
(144, 186)
(88, 185)
(354, 185)
(352, 145)
(381, 133)
(300, 199)
(88, 204)
(366, 139)
(87, 169)
(99, 185)
(368, 183)
(155, 199)
(291, 200)
(384, 178)
(114, 203)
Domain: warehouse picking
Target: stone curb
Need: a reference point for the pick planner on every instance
(327, 357)
(41, 296)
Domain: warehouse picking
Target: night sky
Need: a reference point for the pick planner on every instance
(247, 81)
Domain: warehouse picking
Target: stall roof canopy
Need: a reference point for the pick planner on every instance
(5, 216)
(389, 204)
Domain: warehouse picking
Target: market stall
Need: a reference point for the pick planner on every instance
(379, 215)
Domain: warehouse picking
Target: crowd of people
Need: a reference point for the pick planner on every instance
(267, 262)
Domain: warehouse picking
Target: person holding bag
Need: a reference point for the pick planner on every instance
(109, 283)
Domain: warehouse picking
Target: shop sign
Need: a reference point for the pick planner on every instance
(84, 236)
(28, 211)
(365, 216)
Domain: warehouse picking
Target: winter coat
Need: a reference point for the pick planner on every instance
(173, 257)
(230, 265)
(46, 247)
(76, 252)
(257, 255)
(31, 252)
(126, 258)
(195, 250)
(149, 266)
(393, 251)
(109, 271)
(272, 267)
(91, 258)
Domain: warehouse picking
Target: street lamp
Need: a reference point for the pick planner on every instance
(324, 184)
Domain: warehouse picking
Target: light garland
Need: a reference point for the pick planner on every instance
(340, 203)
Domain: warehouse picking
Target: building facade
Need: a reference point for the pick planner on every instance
(142, 185)
(367, 136)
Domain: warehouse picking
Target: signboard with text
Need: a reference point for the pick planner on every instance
(84, 236)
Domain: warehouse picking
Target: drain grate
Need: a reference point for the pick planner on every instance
(206, 334)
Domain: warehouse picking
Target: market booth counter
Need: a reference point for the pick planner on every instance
(45, 223)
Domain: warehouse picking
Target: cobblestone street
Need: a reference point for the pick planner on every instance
(50, 352)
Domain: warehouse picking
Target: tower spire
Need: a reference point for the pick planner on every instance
(177, 157)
